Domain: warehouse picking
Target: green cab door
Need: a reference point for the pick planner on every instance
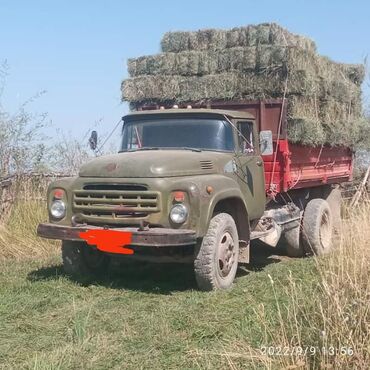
(249, 168)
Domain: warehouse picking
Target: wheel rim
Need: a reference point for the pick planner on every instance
(325, 231)
(225, 255)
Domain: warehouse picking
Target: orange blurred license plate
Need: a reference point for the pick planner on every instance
(110, 241)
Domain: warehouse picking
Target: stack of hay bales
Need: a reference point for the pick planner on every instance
(254, 62)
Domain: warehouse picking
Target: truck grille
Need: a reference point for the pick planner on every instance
(206, 165)
(114, 202)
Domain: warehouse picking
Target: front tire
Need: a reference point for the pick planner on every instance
(216, 261)
(81, 259)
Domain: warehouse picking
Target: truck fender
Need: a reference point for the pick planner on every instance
(231, 201)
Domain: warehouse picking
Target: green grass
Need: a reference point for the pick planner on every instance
(142, 316)
(147, 316)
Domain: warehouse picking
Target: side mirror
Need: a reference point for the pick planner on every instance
(266, 142)
(93, 140)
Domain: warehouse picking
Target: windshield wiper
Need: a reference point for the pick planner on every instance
(137, 149)
(163, 148)
(144, 148)
(192, 149)
(148, 148)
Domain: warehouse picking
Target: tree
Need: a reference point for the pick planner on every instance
(22, 147)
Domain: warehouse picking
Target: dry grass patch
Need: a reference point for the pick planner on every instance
(18, 239)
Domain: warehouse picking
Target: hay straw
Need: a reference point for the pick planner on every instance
(232, 85)
(213, 39)
(253, 62)
(256, 58)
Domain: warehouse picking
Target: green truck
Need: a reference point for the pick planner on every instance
(196, 184)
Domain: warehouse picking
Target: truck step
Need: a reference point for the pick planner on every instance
(259, 234)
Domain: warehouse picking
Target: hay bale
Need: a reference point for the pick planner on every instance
(303, 107)
(352, 133)
(355, 72)
(250, 84)
(327, 111)
(335, 111)
(234, 38)
(207, 39)
(341, 90)
(186, 64)
(304, 125)
(177, 41)
(259, 34)
(271, 57)
(281, 36)
(253, 35)
(194, 63)
(226, 85)
(327, 68)
(148, 88)
(253, 58)
(349, 133)
(236, 59)
(312, 121)
(306, 131)
(137, 66)
(210, 39)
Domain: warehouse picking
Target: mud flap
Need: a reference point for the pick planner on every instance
(273, 237)
(244, 248)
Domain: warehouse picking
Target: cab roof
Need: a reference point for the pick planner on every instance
(233, 114)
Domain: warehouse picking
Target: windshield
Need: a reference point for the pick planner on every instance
(177, 133)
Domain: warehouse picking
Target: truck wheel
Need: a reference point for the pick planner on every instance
(335, 202)
(291, 240)
(81, 259)
(216, 261)
(317, 228)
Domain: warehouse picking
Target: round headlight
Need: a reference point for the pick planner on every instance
(58, 209)
(178, 213)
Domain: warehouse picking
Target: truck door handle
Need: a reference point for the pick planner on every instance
(259, 163)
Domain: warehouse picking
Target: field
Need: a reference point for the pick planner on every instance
(152, 317)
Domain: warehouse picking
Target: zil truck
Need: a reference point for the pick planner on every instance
(196, 184)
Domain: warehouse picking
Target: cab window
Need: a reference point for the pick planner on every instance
(246, 139)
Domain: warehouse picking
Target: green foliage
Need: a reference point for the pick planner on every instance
(21, 138)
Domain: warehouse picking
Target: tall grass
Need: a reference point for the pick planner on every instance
(344, 304)
(18, 239)
(330, 327)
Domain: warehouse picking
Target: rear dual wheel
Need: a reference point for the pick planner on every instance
(317, 227)
(313, 235)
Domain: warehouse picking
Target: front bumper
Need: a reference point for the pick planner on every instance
(155, 237)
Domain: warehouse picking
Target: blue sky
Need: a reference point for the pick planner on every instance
(77, 50)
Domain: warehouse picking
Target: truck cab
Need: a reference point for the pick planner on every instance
(178, 173)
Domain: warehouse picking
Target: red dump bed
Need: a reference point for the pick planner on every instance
(296, 166)
(292, 166)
